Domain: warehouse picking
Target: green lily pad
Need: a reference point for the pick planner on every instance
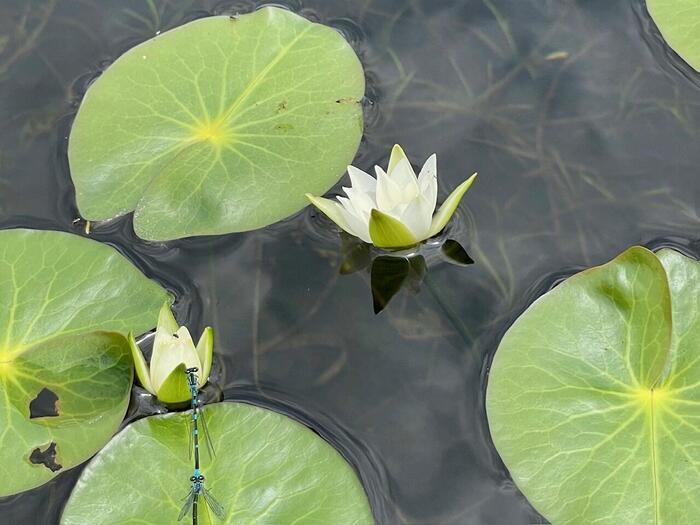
(268, 469)
(64, 380)
(218, 126)
(594, 393)
(679, 24)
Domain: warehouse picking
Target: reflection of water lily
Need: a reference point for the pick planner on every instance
(395, 210)
(173, 352)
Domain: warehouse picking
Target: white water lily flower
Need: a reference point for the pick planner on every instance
(173, 353)
(395, 210)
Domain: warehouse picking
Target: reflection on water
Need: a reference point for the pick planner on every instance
(584, 143)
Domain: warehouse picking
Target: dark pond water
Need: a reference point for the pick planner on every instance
(586, 141)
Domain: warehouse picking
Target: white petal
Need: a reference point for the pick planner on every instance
(417, 217)
(405, 178)
(161, 343)
(178, 349)
(388, 192)
(348, 210)
(357, 224)
(362, 181)
(397, 154)
(427, 181)
(362, 203)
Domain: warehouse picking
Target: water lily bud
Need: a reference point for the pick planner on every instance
(173, 352)
(395, 209)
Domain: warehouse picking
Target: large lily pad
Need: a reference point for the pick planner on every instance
(268, 469)
(679, 23)
(220, 125)
(64, 381)
(594, 395)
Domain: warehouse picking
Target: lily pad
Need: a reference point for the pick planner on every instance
(64, 380)
(594, 393)
(679, 24)
(268, 469)
(221, 125)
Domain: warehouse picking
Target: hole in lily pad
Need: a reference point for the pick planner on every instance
(46, 457)
(64, 352)
(45, 404)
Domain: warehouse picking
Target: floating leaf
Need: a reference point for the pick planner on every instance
(64, 383)
(677, 21)
(594, 392)
(218, 126)
(388, 276)
(269, 469)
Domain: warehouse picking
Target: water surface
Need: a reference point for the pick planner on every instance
(586, 142)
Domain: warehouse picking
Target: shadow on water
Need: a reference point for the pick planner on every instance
(585, 139)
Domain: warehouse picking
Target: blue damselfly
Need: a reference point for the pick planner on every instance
(197, 490)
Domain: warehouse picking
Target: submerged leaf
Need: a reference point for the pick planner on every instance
(388, 276)
(56, 290)
(273, 471)
(218, 126)
(593, 394)
(455, 253)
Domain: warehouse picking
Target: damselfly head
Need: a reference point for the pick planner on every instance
(192, 370)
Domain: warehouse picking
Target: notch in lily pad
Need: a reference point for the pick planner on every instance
(65, 368)
(217, 127)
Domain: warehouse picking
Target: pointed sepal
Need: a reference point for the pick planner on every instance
(142, 371)
(332, 210)
(387, 232)
(205, 352)
(166, 319)
(444, 214)
(175, 388)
